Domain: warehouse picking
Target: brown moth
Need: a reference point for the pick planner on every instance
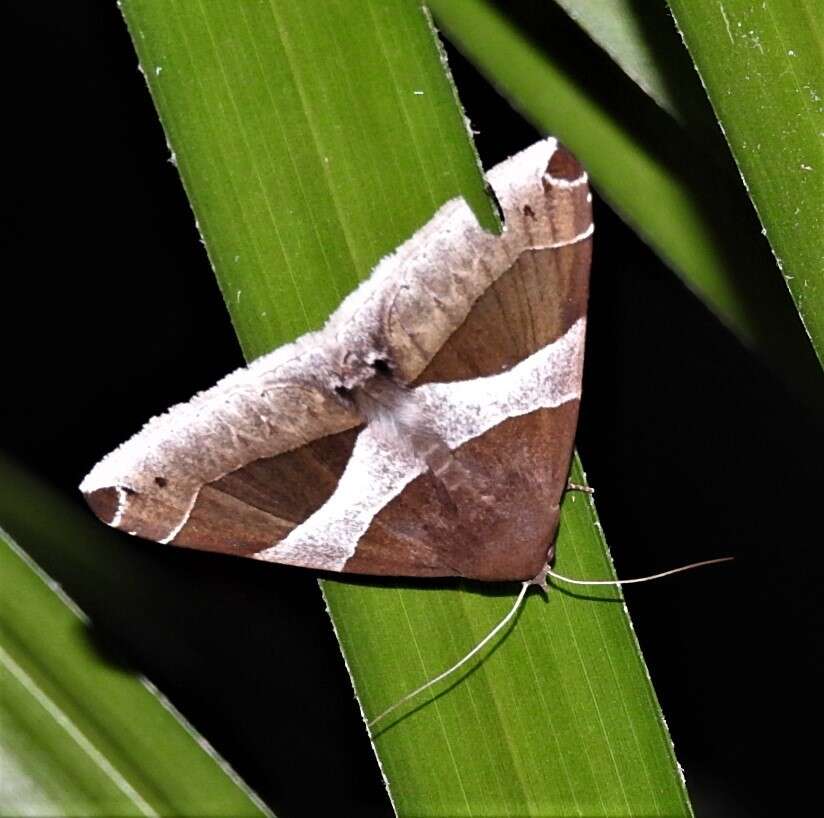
(425, 431)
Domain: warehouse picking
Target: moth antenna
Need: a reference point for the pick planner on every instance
(572, 581)
(503, 623)
(491, 635)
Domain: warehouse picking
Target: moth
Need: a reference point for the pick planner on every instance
(425, 431)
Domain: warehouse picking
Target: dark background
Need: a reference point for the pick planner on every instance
(696, 450)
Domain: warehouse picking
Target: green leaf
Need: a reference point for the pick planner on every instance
(691, 210)
(82, 737)
(310, 144)
(645, 46)
(761, 64)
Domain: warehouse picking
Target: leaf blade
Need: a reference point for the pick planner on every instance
(761, 65)
(122, 751)
(642, 45)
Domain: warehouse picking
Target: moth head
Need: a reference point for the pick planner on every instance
(356, 369)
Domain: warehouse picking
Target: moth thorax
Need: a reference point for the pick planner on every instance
(384, 402)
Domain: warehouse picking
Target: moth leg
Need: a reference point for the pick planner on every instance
(540, 579)
(570, 486)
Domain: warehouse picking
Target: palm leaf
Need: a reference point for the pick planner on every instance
(79, 736)
(761, 66)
